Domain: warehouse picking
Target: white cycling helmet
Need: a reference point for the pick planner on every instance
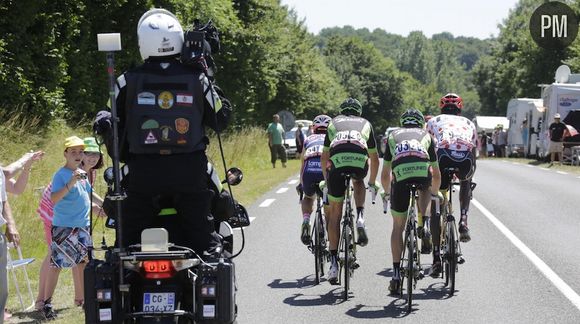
(320, 122)
(159, 33)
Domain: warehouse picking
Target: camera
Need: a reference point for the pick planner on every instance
(199, 44)
(83, 176)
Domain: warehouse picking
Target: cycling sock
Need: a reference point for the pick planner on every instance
(463, 217)
(426, 222)
(306, 218)
(334, 256)
(396, 270)
(436, 253)
(360, 211)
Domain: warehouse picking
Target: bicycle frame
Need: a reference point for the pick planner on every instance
(347, 240)
(318, 242)
(411, 264)
(450, 246)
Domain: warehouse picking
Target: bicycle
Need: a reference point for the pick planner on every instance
(411, 256)
(451, 254)
(347, 245)
(318, 239)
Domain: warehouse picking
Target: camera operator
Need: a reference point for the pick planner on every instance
(163, 106)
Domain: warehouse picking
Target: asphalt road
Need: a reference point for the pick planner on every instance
(521, 265)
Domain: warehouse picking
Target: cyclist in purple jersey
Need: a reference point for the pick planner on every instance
(311, 171)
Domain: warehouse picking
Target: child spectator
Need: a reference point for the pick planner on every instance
(69, 234)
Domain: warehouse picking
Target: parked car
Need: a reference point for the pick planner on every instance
(290, 137)
(385, 137)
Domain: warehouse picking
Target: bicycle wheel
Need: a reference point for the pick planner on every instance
(452, 257)
(317, 250)
(403, 264)
(346, 259)
(410, 268)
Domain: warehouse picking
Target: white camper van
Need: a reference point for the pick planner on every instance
(558, 98)
(522, 138)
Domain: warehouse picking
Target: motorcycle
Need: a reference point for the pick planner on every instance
(162, 282)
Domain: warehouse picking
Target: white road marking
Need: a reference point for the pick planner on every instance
(293, 181)
(267, 202)
(252, 219)
(516, 163)
(529, 166)
(541, 265)
(545, 169)
(578, 177)
(282, 190)
(561, 172)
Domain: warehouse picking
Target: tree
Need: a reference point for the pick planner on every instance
(368, 76)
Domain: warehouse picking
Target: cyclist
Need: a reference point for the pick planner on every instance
(311, 171)
(348, 145)
(411, 156)
(456, 144)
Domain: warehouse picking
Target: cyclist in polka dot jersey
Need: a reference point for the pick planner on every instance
(456, 142)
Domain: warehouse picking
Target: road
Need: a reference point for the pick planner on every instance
(521, 265)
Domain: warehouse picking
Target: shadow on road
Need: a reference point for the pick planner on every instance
(290, 284)
(397, 308)
(388, 272)
(332, 297)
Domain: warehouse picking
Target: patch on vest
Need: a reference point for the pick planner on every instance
(146, 98)
(151, 139)
(184, 99)
(165, 100)
(182, 125)
(150, 124)
(165, 133)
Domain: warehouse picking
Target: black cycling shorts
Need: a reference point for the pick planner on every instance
(336, 179)
(463, 160)
(401, 193)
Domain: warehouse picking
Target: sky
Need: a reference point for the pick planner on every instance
(475, 18)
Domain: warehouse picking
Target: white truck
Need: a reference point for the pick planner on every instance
(522, 138)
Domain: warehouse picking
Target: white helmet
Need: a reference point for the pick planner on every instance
(320, 122)
(159, 33)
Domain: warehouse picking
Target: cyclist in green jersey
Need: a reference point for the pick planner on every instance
(411, 157)
(348, 145)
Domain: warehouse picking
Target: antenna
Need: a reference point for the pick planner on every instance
(562, 74)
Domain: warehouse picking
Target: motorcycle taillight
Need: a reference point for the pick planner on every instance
(158, 269)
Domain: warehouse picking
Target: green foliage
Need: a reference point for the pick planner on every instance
(432, 67)
(50, 66)
(368, 76)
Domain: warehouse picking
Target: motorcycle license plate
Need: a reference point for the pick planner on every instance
(158, 302)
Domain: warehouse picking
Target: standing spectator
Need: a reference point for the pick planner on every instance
(299, 140)
(495, 141)
(275, 141)
(70, 225)
(15, 186)
(11, 236)
(92, 161)
(525, 129)
(483, 144)
(502, 141)
(556, 132)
